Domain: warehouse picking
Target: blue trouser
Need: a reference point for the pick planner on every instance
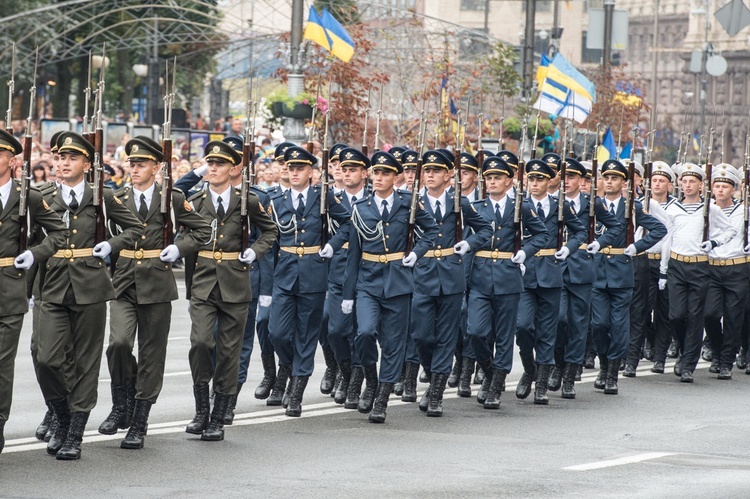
(323, 333)
(261, 328)
(435, 328)
(493, 316)
(341, 327)
(538, 311)
(294, 327)
(381, 320)
(410, 353)
(574, 319)
(248, 340)
(610, 321)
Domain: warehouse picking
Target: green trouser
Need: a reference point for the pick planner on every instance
(36, 323)
(152, 323)
(10, 331)
(231, 319)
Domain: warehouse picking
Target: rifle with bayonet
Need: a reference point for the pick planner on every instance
(247, 165)
(647, 169)
(11, 89)
(707, 183)
(26, 176)
(593, 192)
(457, 180)
(310, 145)
(324, 177)
(480, 157)
(367, 116)
(561, 193)
(415, 185)
(166, 165)
(98, 166)
(536, 131)
(376, 145)
(517, 214)
(629, 205)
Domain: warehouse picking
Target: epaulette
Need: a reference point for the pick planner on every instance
(277, 195)
(122, 191)
(362, 199)
(198, 195)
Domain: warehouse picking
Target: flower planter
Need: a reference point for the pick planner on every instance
(299, 111)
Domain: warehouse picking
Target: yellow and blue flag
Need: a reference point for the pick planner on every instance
(342, 45)
(628, 94)
(563, 90)
(608, 148)
(315, 31)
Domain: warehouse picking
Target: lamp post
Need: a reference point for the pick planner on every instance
(141, 71)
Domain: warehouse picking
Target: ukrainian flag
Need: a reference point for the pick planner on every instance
(342, 45)
(563, 90)
(315, 31)
(608, 148)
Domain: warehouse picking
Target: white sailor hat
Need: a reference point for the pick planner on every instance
(692, 170)
(661, 168)
(728, 175)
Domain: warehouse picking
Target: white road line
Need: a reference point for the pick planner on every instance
(619, 461)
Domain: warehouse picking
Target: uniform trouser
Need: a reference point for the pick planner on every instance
(574, 319)
(382, 320)
(294, 328)
(10, 331)
(410, 353)
(434, 329)
(659, 303)
(247, 341)
(610, 321)
(323, 333)
(688, 287)
(261, 329)
(646, 285)
(229, 321)
(493, 316)
(728, 290)
(341, 327)
(81, 326)
(538, 312)
(36, 325)
(151, 322)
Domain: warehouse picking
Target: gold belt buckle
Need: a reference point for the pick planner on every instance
(607, 250)
(68, 253)
(217, 255)
(383, 258)
(495, 254)
(300, 250)
(722, 263)
(438, 253)
(138, 254)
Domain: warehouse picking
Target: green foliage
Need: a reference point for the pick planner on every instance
(503, 76)
(345, 11)
(512, 127)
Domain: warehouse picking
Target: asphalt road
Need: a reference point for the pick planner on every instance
(658, 438)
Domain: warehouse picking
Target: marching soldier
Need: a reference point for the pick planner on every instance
(497, 278)
(13, 267)
(301, 273)
(75, 292)
(380, 272)
(221, 290)
(144, 289)
(437, 301)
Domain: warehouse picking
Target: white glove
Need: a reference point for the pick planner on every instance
(461, 248)
(523, 269)
(102, 250)
(247, 256)
(662, 284)
(707, 246)
(201, 170)
(326, 251)
(169, 254)
(630, 251)
(31, 302)
(746, 249)
(593, 248)
(24, 261)
(562, 254)
(264, 301)
(409, 260)
(347, 306)
(519, 257)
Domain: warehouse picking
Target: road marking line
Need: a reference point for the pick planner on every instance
(619, 461)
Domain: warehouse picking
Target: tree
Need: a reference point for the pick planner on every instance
(612, 108)
(345, 11)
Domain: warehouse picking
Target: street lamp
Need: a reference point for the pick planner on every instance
(141, 71)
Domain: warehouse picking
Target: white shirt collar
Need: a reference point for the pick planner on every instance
(78, 189)
(544, 201)
(295, 195)
(5, 192)
(359, 195)
(471, 196)
(576, 200)
(224, 198)
(443, 198)
(617, 202)
(500, 203)
(149, 193)
(379, 201)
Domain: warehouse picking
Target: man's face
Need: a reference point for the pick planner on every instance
(237, 125)
(436, 178)
(538, 186)
(554, 183)
(585, 185)
(497, 184)
(691, 185)
(73, 166)
(723, 191)
(7, 163)
(218, 171)
(468, 179)
(335, 171)
(299, 176)
(572, 184)
(383, 180)
(353, 176)
(409, 175)
(613, 183)
(143, 172)
(283, 171)
(660, 185)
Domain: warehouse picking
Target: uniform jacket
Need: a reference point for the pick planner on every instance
(337, 267)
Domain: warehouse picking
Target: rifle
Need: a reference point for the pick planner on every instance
(310, 145)
(747, 188)
(23, 209)
(98, 167)
(166, 165)
(11, 88)
(619, 133)
(536, 131)
(367, 115)
(415, 185)
(457, 181)
(594, 179)
(380, 114)
(561, 194)
(480, 158)
(707, 184)
(517, 219)
(647, 169)
(324, 178)
(629, 204)
(248, 169)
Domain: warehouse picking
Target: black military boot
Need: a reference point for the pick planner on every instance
(137, 432)
(569, 381)
(367, 398)
(202, 408)
(279, 385)
(214, 431)
(62, 414)
(523, 388)
(329, 376)
(52, 427)
(229, 418)
(71, 449)
(43, 427)
(130, 404)
(269, 377)
(299, 383)
(725, 373)
(464, 382)
(629, 371)
(337, 382)
(601, 378)
(118, 416)
(610, 386)
(398, 388)
(742, 358)
(674, 349)
(677, 369)
(658, 367)
(343, 387)
(355, 388)
(541, 385)
(455, 374)
(486, 368)
(555, 377)
(411, 371)
(495, 389)
(287, 393)
(479, 376)
(715, 367)
(436, 390)
(588, 361)
(377, 415)
(424, 400)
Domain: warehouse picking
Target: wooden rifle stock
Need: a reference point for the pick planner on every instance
(248, 154)
(707, 200)
(23, 207)
(457, 198)
(100, 233)
(324, 199)
(166, 199)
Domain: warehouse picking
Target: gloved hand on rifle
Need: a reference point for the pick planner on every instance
(24, 261)
(461, 248)
(247, 256)
(409, 260)
(170, 254)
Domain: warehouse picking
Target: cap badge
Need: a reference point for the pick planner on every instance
(134, 148)
(381, 159)
(432, 157)
(349, 155)
(68, 141)
(295, 154)
(216, 149)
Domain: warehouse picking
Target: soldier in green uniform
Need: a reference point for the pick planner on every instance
(13, 267)
(221, 288)
(75, 292)
(144, 289)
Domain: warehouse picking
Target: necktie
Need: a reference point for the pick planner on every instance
(1, 205)
(573, 206)
(612, 208)
(498, 215)
(300, 204)
(384, 214)
(143, 209)
(73, 201)
(438, 212)
(220, 209)
(354, 198)
(540, 210)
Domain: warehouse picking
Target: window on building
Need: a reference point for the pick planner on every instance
(473, 4)
(589, 55)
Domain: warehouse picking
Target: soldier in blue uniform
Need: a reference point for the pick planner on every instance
(301, 274)
(540, 302)
(496, 278)
(578, 277)
(380, 272)
(441, 278)
(613, 288)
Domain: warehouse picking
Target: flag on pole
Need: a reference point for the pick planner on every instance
(608, 148)
(327, 32)
(315, 31)
(627, 151)
(564, 91)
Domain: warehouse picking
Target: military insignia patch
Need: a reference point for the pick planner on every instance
(134, 148)
(295, 154)
(349, 155)
(432, 157)
(381, 159)
(68, 141)
(44, 203)
(533, 214)
(117, 200)
(187, 206)
(269, 209)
